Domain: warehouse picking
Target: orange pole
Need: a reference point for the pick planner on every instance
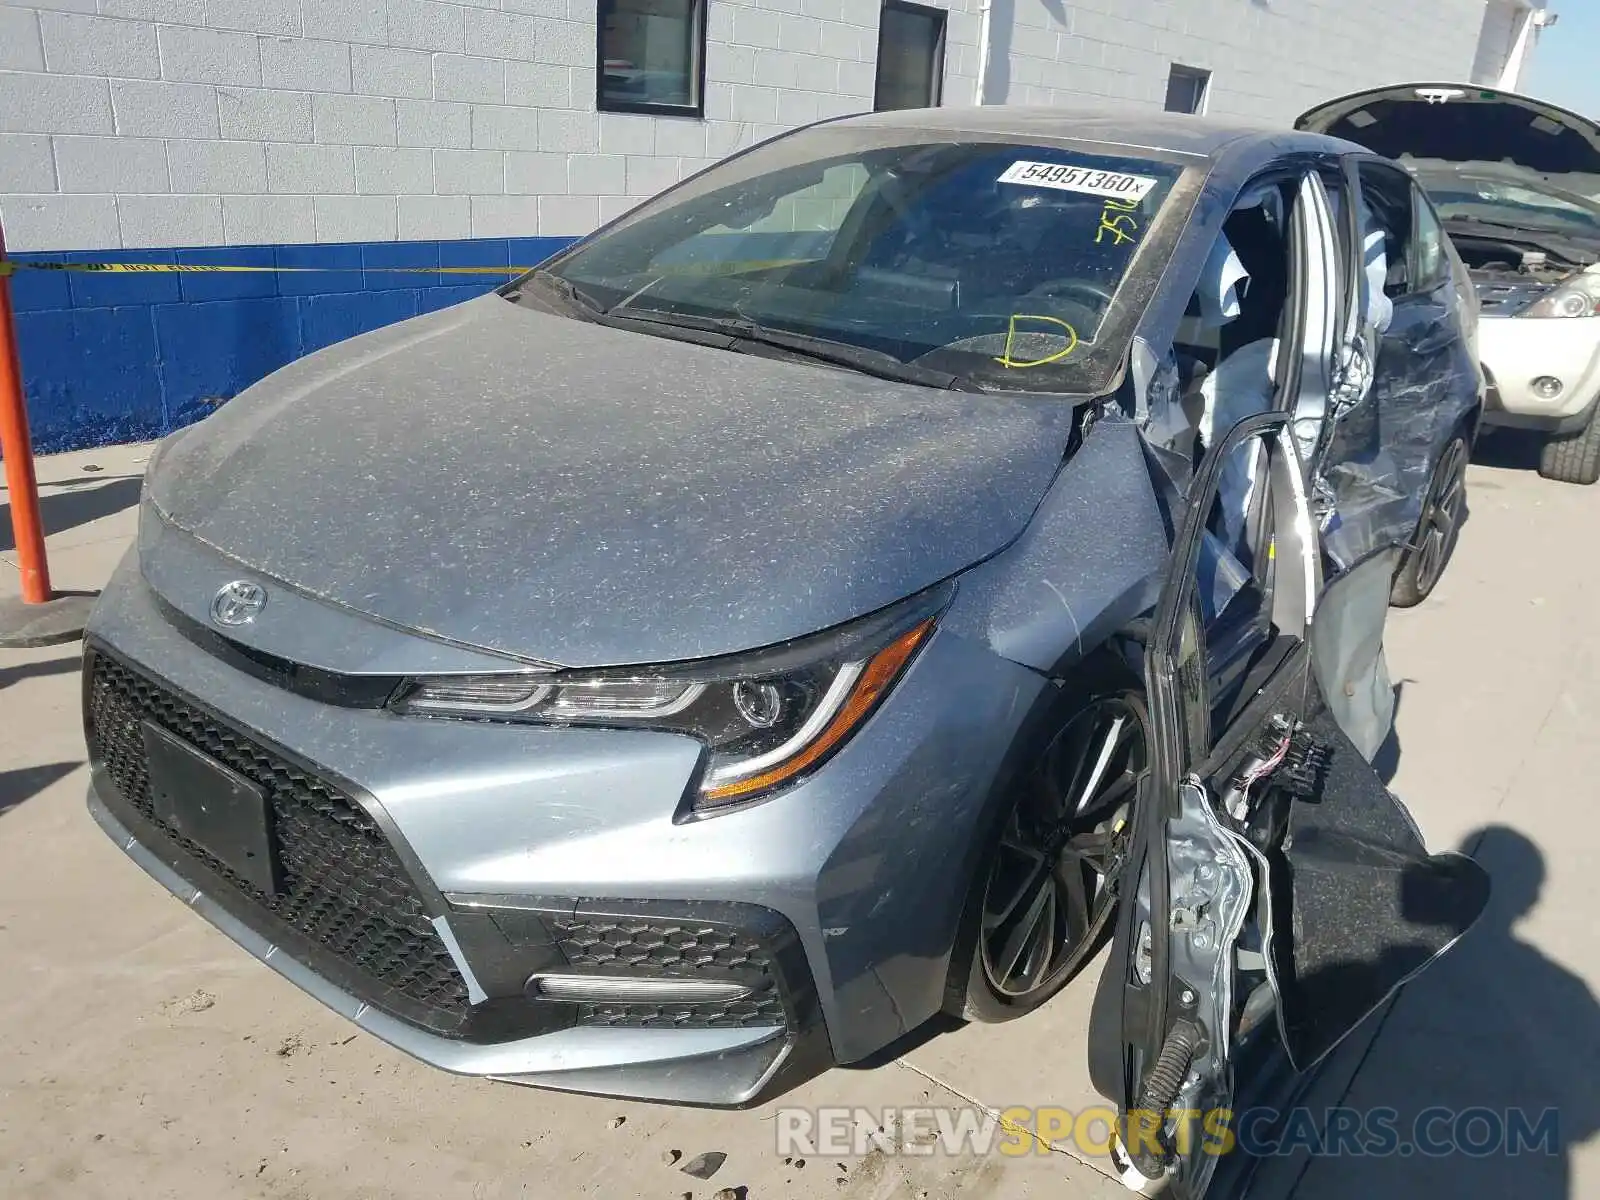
(17, 447)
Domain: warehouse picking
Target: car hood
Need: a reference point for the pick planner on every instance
(573, 494)
(1459, 123)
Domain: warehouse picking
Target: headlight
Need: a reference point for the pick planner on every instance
(767, 718)
(1576, 297)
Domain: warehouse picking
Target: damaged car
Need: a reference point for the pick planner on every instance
(1514, 182)
(856, 585)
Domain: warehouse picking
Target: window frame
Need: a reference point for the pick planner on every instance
(1399, 176)
(1421, 204)
(698, 33)
(1200, 75)
(941, 17)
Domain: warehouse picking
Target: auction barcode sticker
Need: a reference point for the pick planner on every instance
(1079, 179)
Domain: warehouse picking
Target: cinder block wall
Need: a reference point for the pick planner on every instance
(161, 123)
(1270, 59)
(344, 135)
(350, 135)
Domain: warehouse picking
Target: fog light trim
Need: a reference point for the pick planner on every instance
(602, 989)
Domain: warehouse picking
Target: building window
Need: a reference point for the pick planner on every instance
(910, 56)
(651, 57)
(1187, 88)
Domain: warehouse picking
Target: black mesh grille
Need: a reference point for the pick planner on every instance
(345, 889)
(684, 949)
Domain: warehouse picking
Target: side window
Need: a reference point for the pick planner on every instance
(650, 56)
(910, 56)
(1386, 198)
(1432, 259)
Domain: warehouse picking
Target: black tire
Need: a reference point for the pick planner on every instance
(1091, 848)
(1573, 457)
(1444, 508)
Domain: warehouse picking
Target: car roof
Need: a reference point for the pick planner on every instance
(1172, 133)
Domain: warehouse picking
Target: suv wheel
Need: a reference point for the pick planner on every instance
(1573, 457)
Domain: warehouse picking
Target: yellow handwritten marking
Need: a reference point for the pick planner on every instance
(1115, 220)
(1005, 359)
(1120, 226)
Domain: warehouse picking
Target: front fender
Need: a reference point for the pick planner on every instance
(1090, 560)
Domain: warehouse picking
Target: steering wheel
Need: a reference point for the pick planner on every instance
(1099, 298)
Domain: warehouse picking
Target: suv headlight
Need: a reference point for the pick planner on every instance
(1578, 296)
(767, 718)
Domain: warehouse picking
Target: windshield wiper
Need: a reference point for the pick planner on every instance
(876, 363)
(862, 359)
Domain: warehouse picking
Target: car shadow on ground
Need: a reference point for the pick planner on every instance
(1511, 449)
(23, 783)
(75, 504)
(17, 672)
(936, 1026)
(1386, 762)
(1484, 1066)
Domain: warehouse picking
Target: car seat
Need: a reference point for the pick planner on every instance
(1218, 301)
(1242, 293)
(1261, 250)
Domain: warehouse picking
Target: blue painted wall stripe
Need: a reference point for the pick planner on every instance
(121, 358)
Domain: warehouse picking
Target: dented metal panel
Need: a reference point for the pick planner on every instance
(1089, 562)
(1382, 450)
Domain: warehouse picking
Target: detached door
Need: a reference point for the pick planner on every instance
(1276, 890)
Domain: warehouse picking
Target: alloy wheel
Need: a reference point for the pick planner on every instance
(1441, 515)
(1053, 883)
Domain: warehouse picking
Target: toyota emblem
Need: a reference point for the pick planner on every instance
(237, 603)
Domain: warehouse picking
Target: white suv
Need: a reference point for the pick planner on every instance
(1512, 180)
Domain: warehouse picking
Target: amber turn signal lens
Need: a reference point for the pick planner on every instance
(881, 671)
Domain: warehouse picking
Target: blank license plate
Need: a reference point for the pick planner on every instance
(213, 806)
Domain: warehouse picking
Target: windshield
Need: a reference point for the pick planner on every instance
(1507, 202)
(1003, 264)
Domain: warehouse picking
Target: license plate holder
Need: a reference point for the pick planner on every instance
(213, 806)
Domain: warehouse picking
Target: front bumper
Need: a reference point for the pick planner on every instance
(702, 1066)
(1517, 350)
(490, 853)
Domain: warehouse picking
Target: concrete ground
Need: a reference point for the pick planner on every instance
(144, 1055)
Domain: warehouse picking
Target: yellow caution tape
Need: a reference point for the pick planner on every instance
(12, 266)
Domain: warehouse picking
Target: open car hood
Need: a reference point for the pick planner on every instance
(1459, 123)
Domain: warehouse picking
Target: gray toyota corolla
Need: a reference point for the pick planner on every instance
(809, 603)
